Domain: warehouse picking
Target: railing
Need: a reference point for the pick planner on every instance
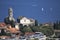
(34, 39)
(53, 39)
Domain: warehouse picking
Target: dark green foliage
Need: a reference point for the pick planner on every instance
(18, 20)
(27, 29)
(12, 23)
(36, 23)
(35, 28)
(7, 21)
(4, 33)
(47, 30)
(57, 25)
(21, 27)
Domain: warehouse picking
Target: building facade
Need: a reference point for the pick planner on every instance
(26, 21)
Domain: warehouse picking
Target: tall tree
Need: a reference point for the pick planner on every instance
(57, 25)
(36, 23)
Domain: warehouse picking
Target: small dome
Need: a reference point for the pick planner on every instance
(10, 9)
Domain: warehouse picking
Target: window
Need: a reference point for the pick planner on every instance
(24, 20)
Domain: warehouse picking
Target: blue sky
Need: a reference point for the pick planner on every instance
(41, 10)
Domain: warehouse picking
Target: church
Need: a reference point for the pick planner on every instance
(21, 20)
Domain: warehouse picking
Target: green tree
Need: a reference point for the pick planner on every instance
(36, 23)
(47, 30)
(57, 25)
(12, 23)
(21, 27)
(27, 29)
(7, 21)
(35, 28)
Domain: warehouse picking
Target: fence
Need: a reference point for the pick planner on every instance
(53, 39)
(34, 39)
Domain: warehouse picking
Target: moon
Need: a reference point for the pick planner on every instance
(42, 9)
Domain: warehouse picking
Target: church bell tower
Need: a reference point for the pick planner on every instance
(10, 12)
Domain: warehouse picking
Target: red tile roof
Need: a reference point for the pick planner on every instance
(4, 36)
(2, 24)
(29, 33)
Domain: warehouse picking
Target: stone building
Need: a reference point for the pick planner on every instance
(10, 13)
(10, 19)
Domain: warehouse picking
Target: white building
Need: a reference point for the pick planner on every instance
(39, 35)
(17, 26)
(27, 22)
